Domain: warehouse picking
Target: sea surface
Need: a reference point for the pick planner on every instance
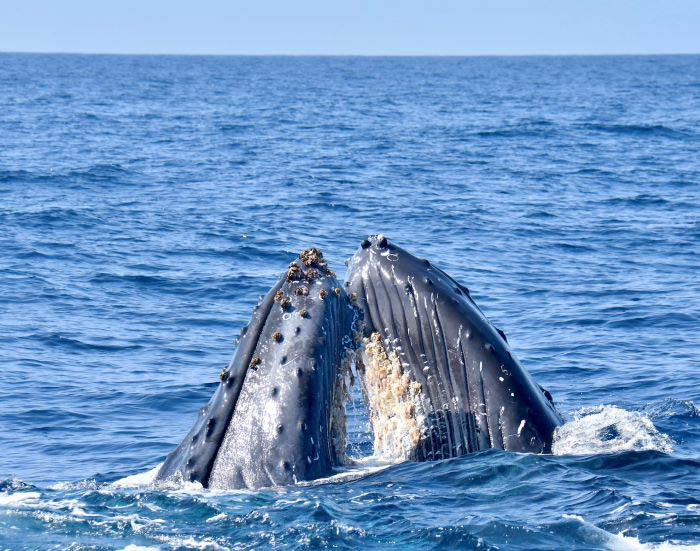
(146, 202)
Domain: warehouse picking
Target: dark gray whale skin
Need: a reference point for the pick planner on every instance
(270, 420)
(475, 393)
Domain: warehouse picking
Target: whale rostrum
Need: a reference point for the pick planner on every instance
(278, 414)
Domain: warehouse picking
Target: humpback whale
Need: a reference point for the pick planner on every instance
(278, 414)
(439, 379)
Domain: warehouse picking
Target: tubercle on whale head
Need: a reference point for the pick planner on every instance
(378, 252)
(375, 248)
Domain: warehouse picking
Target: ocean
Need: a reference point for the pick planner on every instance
(146, 202)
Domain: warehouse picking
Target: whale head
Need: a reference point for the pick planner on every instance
(278, 414)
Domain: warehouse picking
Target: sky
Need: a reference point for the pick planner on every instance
(351, 27)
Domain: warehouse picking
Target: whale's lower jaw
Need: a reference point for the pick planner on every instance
(439, 380)
(278, 415)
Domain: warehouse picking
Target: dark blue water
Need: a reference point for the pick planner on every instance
(146, 203)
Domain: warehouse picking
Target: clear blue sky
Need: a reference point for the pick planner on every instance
(410, 27)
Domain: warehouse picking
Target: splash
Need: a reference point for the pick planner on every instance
(360, 468)
(8, 499)
(354, 469)
(203, 544)
(608, 429)
(620, 542)
(138, 480)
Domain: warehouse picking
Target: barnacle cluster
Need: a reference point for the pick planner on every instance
(393, 398)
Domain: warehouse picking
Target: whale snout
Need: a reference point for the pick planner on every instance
(277, 416)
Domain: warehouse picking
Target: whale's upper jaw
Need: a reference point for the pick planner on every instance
(277, 415)
(456, 383)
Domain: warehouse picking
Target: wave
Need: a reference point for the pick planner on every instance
(100, 173)
(138, 480)
(34, 217)
(673, 407)
(639, 200)
(603, 429)
(516, 132)
(17, 176)
(668, 320)
(139, 279)
(645, 130)
(57, 339)
(8, 499)
(361, 468)
(620, 542)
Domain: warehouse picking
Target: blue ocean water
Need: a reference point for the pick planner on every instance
(146, 203)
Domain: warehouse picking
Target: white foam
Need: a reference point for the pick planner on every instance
(620, 542)
(132, 547)
(358, 469)
(361, 468)
(608, 429)
(19, 497)
(90, 484)
(627, 543)
(138, 480)
(134, 521)
(205, 544)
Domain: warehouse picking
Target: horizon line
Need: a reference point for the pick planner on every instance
(375, 55)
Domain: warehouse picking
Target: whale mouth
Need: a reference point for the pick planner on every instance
(439, 380)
